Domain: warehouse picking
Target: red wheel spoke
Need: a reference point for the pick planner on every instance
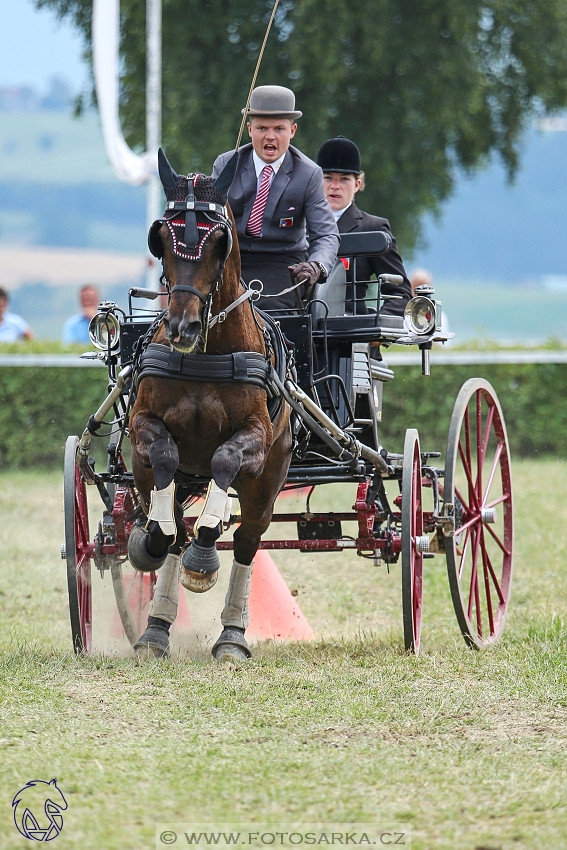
(463, 554)
(469, 524)
(467, 470)
(486, 570)
(504, 498)
(498, 542)
(473, 589)
(463, 501)
(495, 581)
(495, 465)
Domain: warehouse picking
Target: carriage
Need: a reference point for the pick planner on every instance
(409, 507)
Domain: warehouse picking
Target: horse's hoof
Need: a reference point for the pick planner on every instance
(154, 643)
(231, 647)
(138, 554)
(199, 568)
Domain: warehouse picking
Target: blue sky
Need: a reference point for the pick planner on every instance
(36, 46)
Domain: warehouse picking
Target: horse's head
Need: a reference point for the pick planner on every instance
(194, 239)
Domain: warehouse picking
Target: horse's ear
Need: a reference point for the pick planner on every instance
(167, 175)
(225, 178)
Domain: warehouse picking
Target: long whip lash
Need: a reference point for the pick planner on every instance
(245, 115)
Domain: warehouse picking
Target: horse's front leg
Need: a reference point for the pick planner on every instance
(243, 454)
(155, 459)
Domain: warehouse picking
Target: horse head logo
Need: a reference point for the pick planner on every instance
(37, 810)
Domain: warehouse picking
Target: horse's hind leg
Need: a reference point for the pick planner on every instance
(154, 643)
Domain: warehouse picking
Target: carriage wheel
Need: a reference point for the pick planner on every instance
(77, 550)
(133, 590)
(413, 542)
(133, 593)
(478, 486)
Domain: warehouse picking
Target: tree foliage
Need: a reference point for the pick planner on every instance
(423, 88)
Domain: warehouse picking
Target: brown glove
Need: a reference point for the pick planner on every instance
(308, 272)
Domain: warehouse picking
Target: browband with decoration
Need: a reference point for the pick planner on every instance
(190, 252)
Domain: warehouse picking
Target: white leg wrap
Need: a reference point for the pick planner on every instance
(217, 507)
(235, 611)
(162, 509)
(166, 591)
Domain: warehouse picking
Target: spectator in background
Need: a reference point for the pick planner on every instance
(76, 328)
(12, 327)
(418, 278)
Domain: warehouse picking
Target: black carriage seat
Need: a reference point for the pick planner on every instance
(342, 335)
(333, 311)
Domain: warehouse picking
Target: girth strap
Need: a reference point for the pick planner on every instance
(247, 367)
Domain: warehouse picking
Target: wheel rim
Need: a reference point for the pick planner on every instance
(412, 532)
(478, 484)
(78, 551)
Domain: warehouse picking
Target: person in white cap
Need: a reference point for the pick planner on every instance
(283, 221)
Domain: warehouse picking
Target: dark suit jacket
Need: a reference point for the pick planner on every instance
(297, 219)
(354, 219)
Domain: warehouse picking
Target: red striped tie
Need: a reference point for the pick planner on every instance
(254, 226)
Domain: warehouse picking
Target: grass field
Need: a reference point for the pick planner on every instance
(468, 749)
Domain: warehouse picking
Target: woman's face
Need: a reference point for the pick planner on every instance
(340, 188)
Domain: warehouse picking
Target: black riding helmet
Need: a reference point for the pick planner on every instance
(340, 155)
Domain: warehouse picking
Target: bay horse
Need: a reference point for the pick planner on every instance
(201, 414)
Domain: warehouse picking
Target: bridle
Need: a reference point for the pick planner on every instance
(190, 236)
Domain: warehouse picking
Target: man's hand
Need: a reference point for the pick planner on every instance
(307, 272)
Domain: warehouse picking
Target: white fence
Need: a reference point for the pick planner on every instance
(438, 358)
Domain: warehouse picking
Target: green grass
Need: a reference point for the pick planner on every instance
(469, 748)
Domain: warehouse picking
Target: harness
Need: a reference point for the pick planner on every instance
(155, 360)
(189, 237)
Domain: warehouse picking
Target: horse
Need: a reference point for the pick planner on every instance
(202, 414)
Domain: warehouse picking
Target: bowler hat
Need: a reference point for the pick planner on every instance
(339, 154)
(275, 101)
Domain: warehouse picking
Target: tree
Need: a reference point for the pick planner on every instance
(423, 88)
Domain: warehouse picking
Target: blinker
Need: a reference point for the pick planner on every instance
(154, 242)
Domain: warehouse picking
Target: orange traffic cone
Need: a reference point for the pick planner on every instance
(274, 613)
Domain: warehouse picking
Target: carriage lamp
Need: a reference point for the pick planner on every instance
(104, 331)
(420, 315)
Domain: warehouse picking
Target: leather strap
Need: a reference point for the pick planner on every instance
(185, 287)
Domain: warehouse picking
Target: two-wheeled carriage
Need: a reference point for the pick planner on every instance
(333, 386)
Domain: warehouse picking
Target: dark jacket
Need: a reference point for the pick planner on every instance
(354, 219)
